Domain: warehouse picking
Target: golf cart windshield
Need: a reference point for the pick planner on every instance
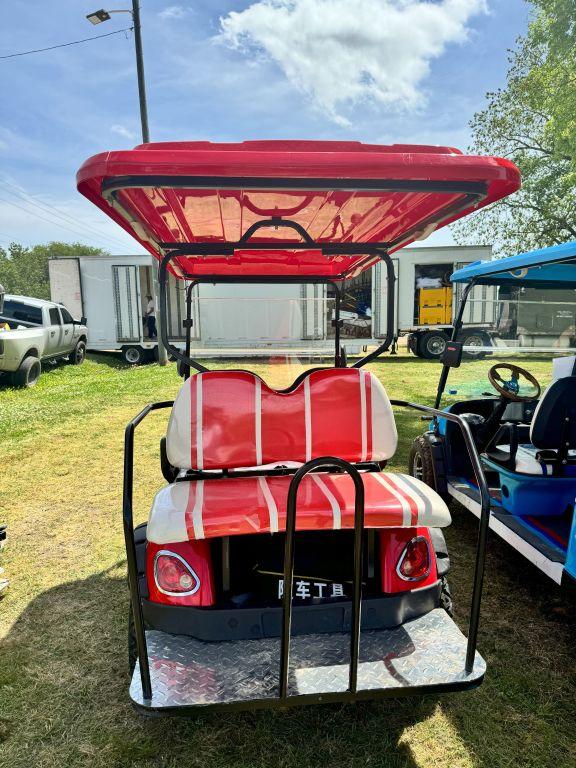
(527, 303)
(276, 331)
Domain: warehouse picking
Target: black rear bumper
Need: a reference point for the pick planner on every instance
(218, 624)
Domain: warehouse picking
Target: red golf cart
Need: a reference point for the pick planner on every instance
(282, 564)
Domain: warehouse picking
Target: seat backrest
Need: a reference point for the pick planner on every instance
(549, 424)
(230, 419)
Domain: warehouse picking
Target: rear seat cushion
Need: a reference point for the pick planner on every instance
(199, 509)
(231, 419)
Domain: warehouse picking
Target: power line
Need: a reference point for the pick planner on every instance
(65, 45)
(87, 232)
(49, 221)
(53, 211)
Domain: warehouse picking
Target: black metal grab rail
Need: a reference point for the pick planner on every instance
(305, 469)
(483, 525)
(128, 522)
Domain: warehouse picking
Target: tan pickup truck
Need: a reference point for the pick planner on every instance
(33, 330)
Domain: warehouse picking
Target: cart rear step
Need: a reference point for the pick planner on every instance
(424, 655)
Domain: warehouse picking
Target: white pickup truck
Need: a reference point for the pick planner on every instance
(33, 330)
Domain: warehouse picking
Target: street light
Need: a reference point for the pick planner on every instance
(97, 17)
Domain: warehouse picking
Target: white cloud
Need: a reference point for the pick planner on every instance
(173, 12)
(341, 52)
(121, 130)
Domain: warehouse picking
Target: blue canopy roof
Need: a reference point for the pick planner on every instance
(545, 268)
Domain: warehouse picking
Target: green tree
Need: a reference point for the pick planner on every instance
(25, 270)
(532, 121)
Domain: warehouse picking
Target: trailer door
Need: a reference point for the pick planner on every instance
(65, 285)
(314, 310)
(481, 305)
(380, 299)
(127, 303)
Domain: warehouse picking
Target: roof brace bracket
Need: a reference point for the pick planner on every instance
(277, 221)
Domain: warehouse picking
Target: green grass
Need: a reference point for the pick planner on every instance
(63, 678)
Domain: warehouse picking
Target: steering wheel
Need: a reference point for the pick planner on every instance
(509, 388)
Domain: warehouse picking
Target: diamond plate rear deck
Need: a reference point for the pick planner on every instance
(425, 652)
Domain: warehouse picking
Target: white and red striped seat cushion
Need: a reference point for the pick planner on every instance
(232, 506)
(231, 419)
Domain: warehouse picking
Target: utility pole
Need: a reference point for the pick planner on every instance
(97, 17)
(160, 319)
(140, 70)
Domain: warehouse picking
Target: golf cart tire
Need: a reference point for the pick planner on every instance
(431, 344)
(28, 373)
(446, 597)
(421, 462)
(78, 354)
(133, 355)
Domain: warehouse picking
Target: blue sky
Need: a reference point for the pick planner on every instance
(368, 70)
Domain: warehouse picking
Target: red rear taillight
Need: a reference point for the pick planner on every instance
(414, 562)
(173, 575)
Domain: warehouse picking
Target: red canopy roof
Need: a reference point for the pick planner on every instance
(328, 204)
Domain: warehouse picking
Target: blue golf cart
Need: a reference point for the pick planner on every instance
(522, 419)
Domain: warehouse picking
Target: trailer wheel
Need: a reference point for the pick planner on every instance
(28, 373)
(431, 344)
(132, 355)
(421, 462)
(474, 339)
(78, 354)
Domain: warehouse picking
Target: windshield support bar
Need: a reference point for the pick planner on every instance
(391, 294)
(455, 333)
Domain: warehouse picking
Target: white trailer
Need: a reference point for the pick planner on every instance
(110, 291)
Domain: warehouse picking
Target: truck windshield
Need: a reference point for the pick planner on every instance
(17, 310)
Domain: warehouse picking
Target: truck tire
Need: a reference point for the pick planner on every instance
(133, 355)
(28, 373)
(431, 344)
(78, 354)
